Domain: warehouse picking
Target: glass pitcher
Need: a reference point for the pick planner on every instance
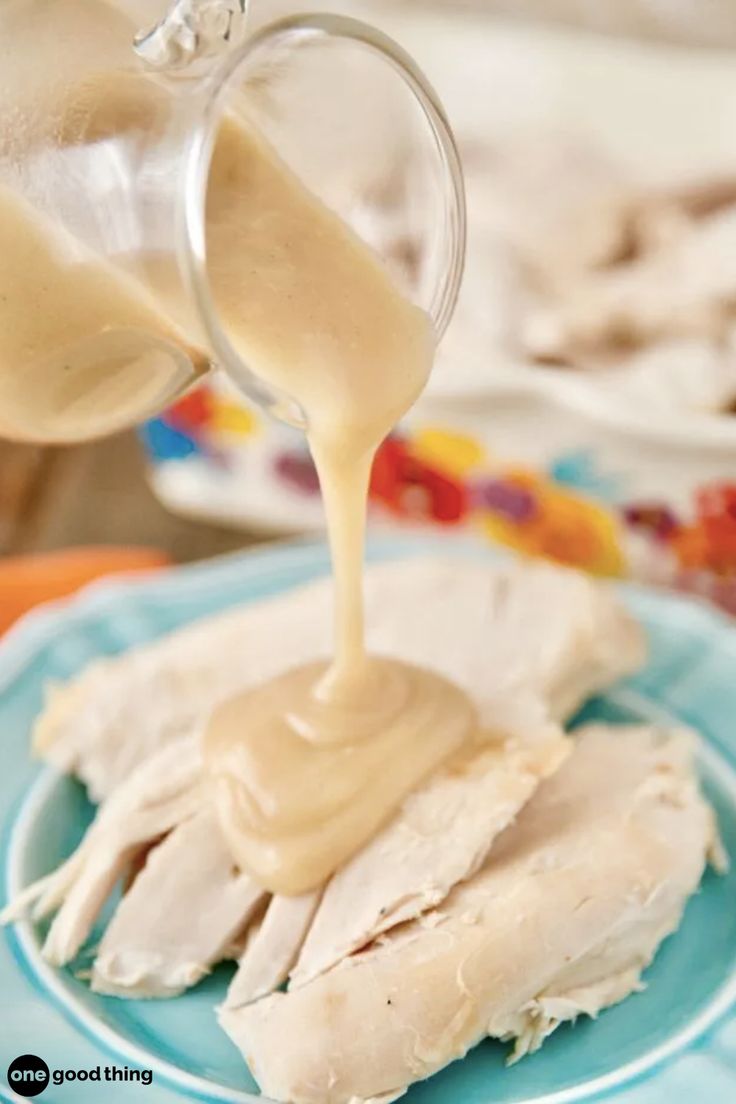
(106, 139)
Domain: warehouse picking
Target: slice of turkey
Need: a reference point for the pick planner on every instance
(499, 631)
(565, 914)
(443, 833)
(683, 290)
(162, 792)
(178, 918)
(273, 950)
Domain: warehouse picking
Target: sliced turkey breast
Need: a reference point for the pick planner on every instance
(155, 944)
(440, 837)
(162, 792)
(567, 911)
(272, 952)
(179, 917)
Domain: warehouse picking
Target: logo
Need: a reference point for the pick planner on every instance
(28, 1075)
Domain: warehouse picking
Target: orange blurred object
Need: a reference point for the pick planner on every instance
(27, 580)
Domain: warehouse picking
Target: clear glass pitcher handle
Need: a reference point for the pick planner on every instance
(191, 33)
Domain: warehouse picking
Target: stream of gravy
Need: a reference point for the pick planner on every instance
(304, 769)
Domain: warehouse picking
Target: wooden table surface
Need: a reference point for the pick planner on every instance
(53, 498)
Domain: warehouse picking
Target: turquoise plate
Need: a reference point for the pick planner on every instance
(675, 1043)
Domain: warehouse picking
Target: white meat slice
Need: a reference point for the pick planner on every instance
(696, 374)
(440, 837)
(162, 792)
(178, 918)
(267, 959)
(242, 941)
(684, 290)
(560, 232)
(492, 628)
(567, 911)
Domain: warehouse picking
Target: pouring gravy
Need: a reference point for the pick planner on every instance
(306, 768)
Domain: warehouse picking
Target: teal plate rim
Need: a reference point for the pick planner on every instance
(150, 606)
